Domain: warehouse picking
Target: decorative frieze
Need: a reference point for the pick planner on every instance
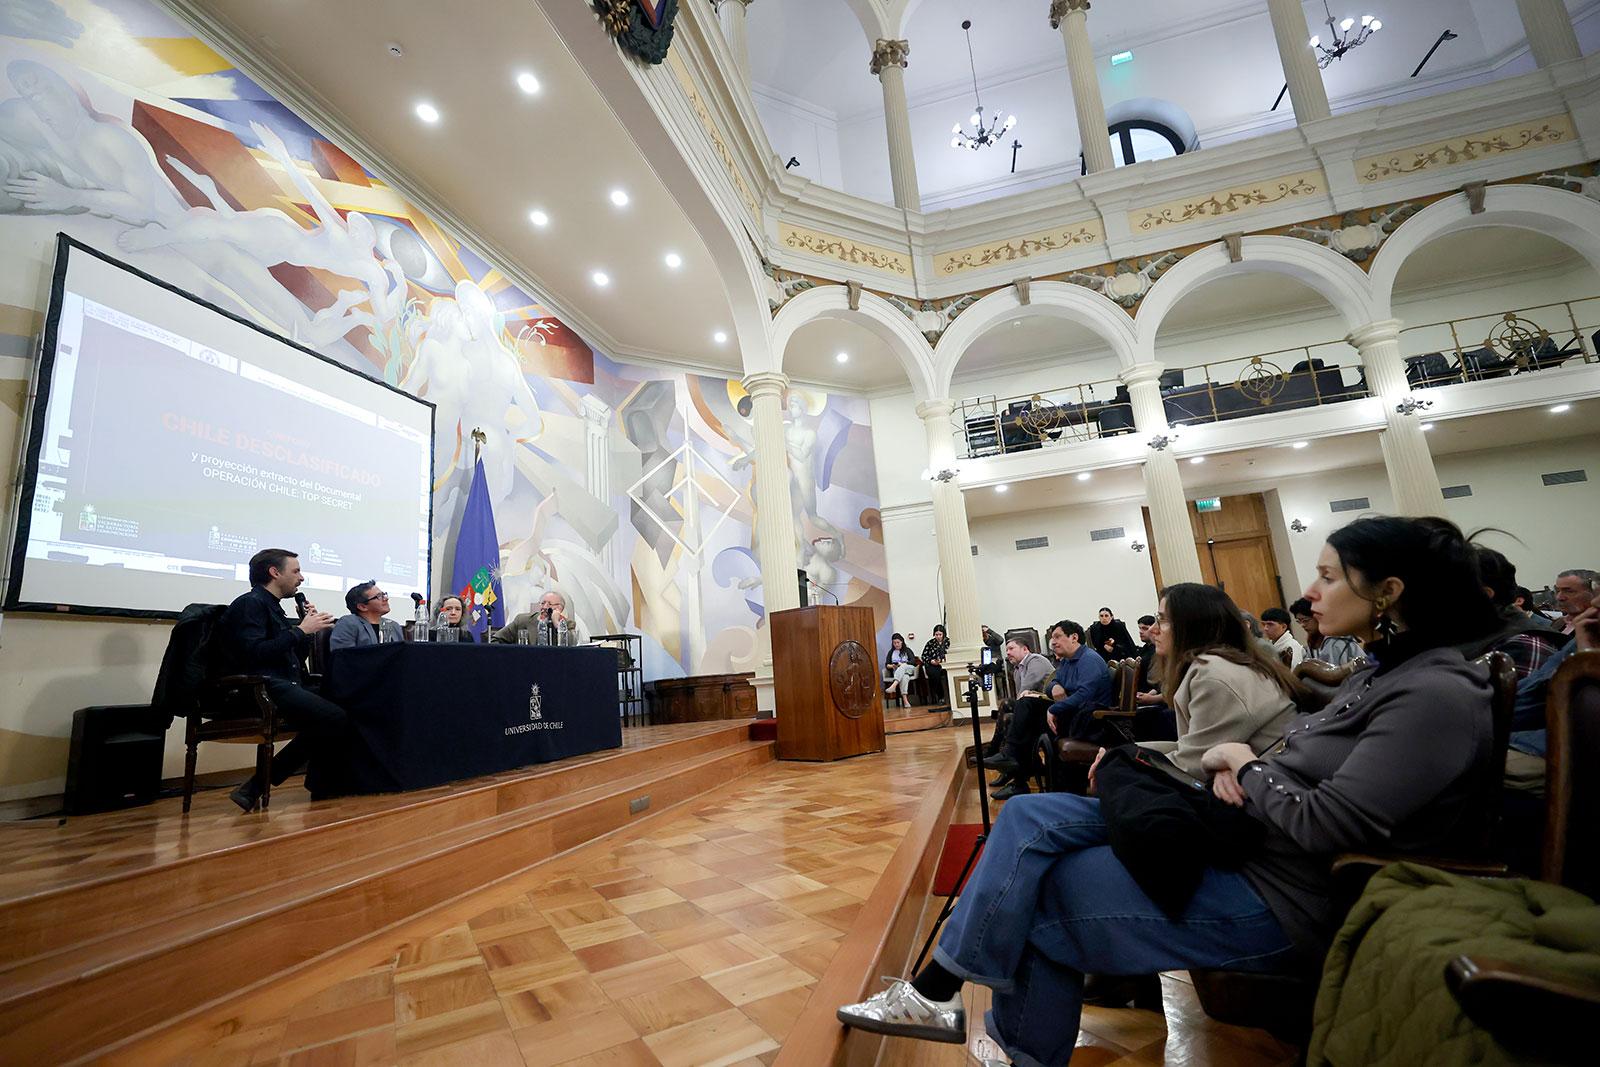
(1537, 133)
(718, 143)
(1126, 281)
(1039, 243)
(1230, 201)
(1358, 234)
(844, 250)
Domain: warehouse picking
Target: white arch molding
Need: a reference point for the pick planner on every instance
(1568, 217)
(874, 313)
(1058, 300)
(1337, 280)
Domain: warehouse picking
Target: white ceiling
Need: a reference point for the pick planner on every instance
(497, 153)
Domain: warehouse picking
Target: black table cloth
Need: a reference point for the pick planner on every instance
(424, 714)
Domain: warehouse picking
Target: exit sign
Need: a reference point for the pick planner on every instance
(1209, 503)
(1119, 58)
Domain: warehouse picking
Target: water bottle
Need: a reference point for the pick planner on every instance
(419, 625)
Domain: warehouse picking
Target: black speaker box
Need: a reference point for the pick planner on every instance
(115, 759)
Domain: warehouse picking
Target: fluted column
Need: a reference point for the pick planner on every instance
(1071, 17)
(1306, 91)
(733, 28)
(1412, 477)
(889, 66)
(958, 576)
(1163, 485)
(597, 463)
(1548, 26)
(774, 524)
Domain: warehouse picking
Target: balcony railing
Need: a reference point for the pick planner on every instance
(1501, 344)
(1475, 348)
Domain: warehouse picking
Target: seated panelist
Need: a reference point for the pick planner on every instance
(450, 611)
(552, 607)
(363, 626)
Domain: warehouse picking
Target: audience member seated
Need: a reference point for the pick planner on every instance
(933, 657)
(365, 625)
(1334, 651)
(899, 670)
(1082, 683)
(1147, 654)
(1527, 643)
(1275, 628)
(1522, 600)
(449, 618)
(1574, 593)
(1225, 687)
(1527, 721)
(1397, 762)
(1110, 637)
(1154, 719)
(992, 642)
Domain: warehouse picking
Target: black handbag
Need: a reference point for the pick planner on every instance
(1166, 828)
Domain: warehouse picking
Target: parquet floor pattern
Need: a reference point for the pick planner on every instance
(691, 940)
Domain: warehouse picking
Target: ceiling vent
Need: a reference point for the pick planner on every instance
(1355, 503)
(1110, 533)
(1565, 477)
(1456, 492)
(1032, 542)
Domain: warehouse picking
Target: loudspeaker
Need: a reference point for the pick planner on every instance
(115, 759)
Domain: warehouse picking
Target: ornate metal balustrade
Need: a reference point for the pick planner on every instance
(1502, 343)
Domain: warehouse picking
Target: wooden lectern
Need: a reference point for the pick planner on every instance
(825, 678)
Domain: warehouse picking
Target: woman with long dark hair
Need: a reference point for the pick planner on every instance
(1224, 684)
(900, 667)
(1400, 759)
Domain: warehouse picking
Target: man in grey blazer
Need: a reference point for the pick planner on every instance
(368, 605)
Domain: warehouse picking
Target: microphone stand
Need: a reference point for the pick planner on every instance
(977, 845)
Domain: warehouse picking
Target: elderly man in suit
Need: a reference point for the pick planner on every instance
(365, 625)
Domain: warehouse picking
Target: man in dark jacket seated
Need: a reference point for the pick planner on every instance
(254, 636)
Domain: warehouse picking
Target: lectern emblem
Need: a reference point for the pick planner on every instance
(853, 678)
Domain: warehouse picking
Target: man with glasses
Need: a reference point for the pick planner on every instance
(365, 625)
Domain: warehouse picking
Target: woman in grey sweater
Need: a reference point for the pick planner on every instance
(1401, 759)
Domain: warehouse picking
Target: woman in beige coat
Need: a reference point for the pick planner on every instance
(1224, 685)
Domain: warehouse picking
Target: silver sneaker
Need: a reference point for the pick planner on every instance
(900, 1011)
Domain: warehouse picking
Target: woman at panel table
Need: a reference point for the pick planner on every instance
(450, 609)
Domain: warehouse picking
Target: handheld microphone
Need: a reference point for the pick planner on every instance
(300, 605)
(416, 598)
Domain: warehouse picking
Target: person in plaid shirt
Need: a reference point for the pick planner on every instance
(1528, 644)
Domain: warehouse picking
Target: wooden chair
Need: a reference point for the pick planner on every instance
(1281, 1004)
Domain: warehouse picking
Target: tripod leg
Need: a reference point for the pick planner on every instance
(949, 902)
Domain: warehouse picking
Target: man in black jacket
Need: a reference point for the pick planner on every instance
(254, 636)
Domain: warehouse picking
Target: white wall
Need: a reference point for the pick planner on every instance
(809, 134)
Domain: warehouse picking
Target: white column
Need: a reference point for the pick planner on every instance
(889, 65)
(1551, 37)
(1412, 478)
(958, 576)
(774, 522)
(597, 463)
(1163, 485)
(1306, 91)
(1071, 17)
(733, 28)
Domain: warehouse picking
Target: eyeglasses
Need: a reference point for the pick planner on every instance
(375, 596)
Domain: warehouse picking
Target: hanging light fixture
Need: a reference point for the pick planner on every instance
(1342, 36)
(984, 131)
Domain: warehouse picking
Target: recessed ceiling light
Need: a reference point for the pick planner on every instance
(841, 357)
(527, 83)
(619, 197)
(1301, 444)
(673, 260)
(1016, 322)
(600, 278)
(720, 337)
(1427, 426)
(1084, 476)
(1001, 488)
(427, 112)
(1197, 459)
(538, 218)
(1560, 409)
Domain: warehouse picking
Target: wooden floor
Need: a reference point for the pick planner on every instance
(695, 938)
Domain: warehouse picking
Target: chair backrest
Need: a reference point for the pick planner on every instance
(1028, 635)
(1572, 764)
(1287, 656)
(1502, 702)
(1128, 687)
(1322, 680)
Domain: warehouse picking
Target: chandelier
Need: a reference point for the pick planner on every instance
(1341, 39)
(984, 131)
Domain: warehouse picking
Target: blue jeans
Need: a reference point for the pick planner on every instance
(1049, 902)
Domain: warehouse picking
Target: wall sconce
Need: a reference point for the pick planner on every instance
(1160, 441)
(1410, 405)
(1137, 546)
(1298, 527)
(948, 475)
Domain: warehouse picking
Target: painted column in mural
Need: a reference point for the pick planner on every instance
(1163, 485)
(597, 456)
(774, 522)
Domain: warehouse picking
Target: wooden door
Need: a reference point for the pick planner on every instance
(1243, 569)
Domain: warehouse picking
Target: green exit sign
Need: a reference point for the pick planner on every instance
(1119, 58)
(1210, 503)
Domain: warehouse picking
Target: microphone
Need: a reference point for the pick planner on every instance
(300, 605)
(416, 598)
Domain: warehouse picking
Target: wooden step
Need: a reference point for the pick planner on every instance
(913, 720)
(151, 971)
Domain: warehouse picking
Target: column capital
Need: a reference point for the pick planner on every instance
(1375, 333)
(1140, 373)
(1060, 9)
(742, 3)
(935, 409)
(887, 53)
(765, 383)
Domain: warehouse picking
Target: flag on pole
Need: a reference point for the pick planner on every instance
(476, 570)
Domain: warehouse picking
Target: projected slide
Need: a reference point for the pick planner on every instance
(176, 442)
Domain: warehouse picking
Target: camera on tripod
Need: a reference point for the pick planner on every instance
(979, 670)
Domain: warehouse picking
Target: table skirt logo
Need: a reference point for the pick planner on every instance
(536, 719)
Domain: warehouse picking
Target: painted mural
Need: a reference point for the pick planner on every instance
(627, 488)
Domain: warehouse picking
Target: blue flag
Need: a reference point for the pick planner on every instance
(476, 571)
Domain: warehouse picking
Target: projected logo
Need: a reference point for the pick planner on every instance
(536, 720)
(87, 519)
